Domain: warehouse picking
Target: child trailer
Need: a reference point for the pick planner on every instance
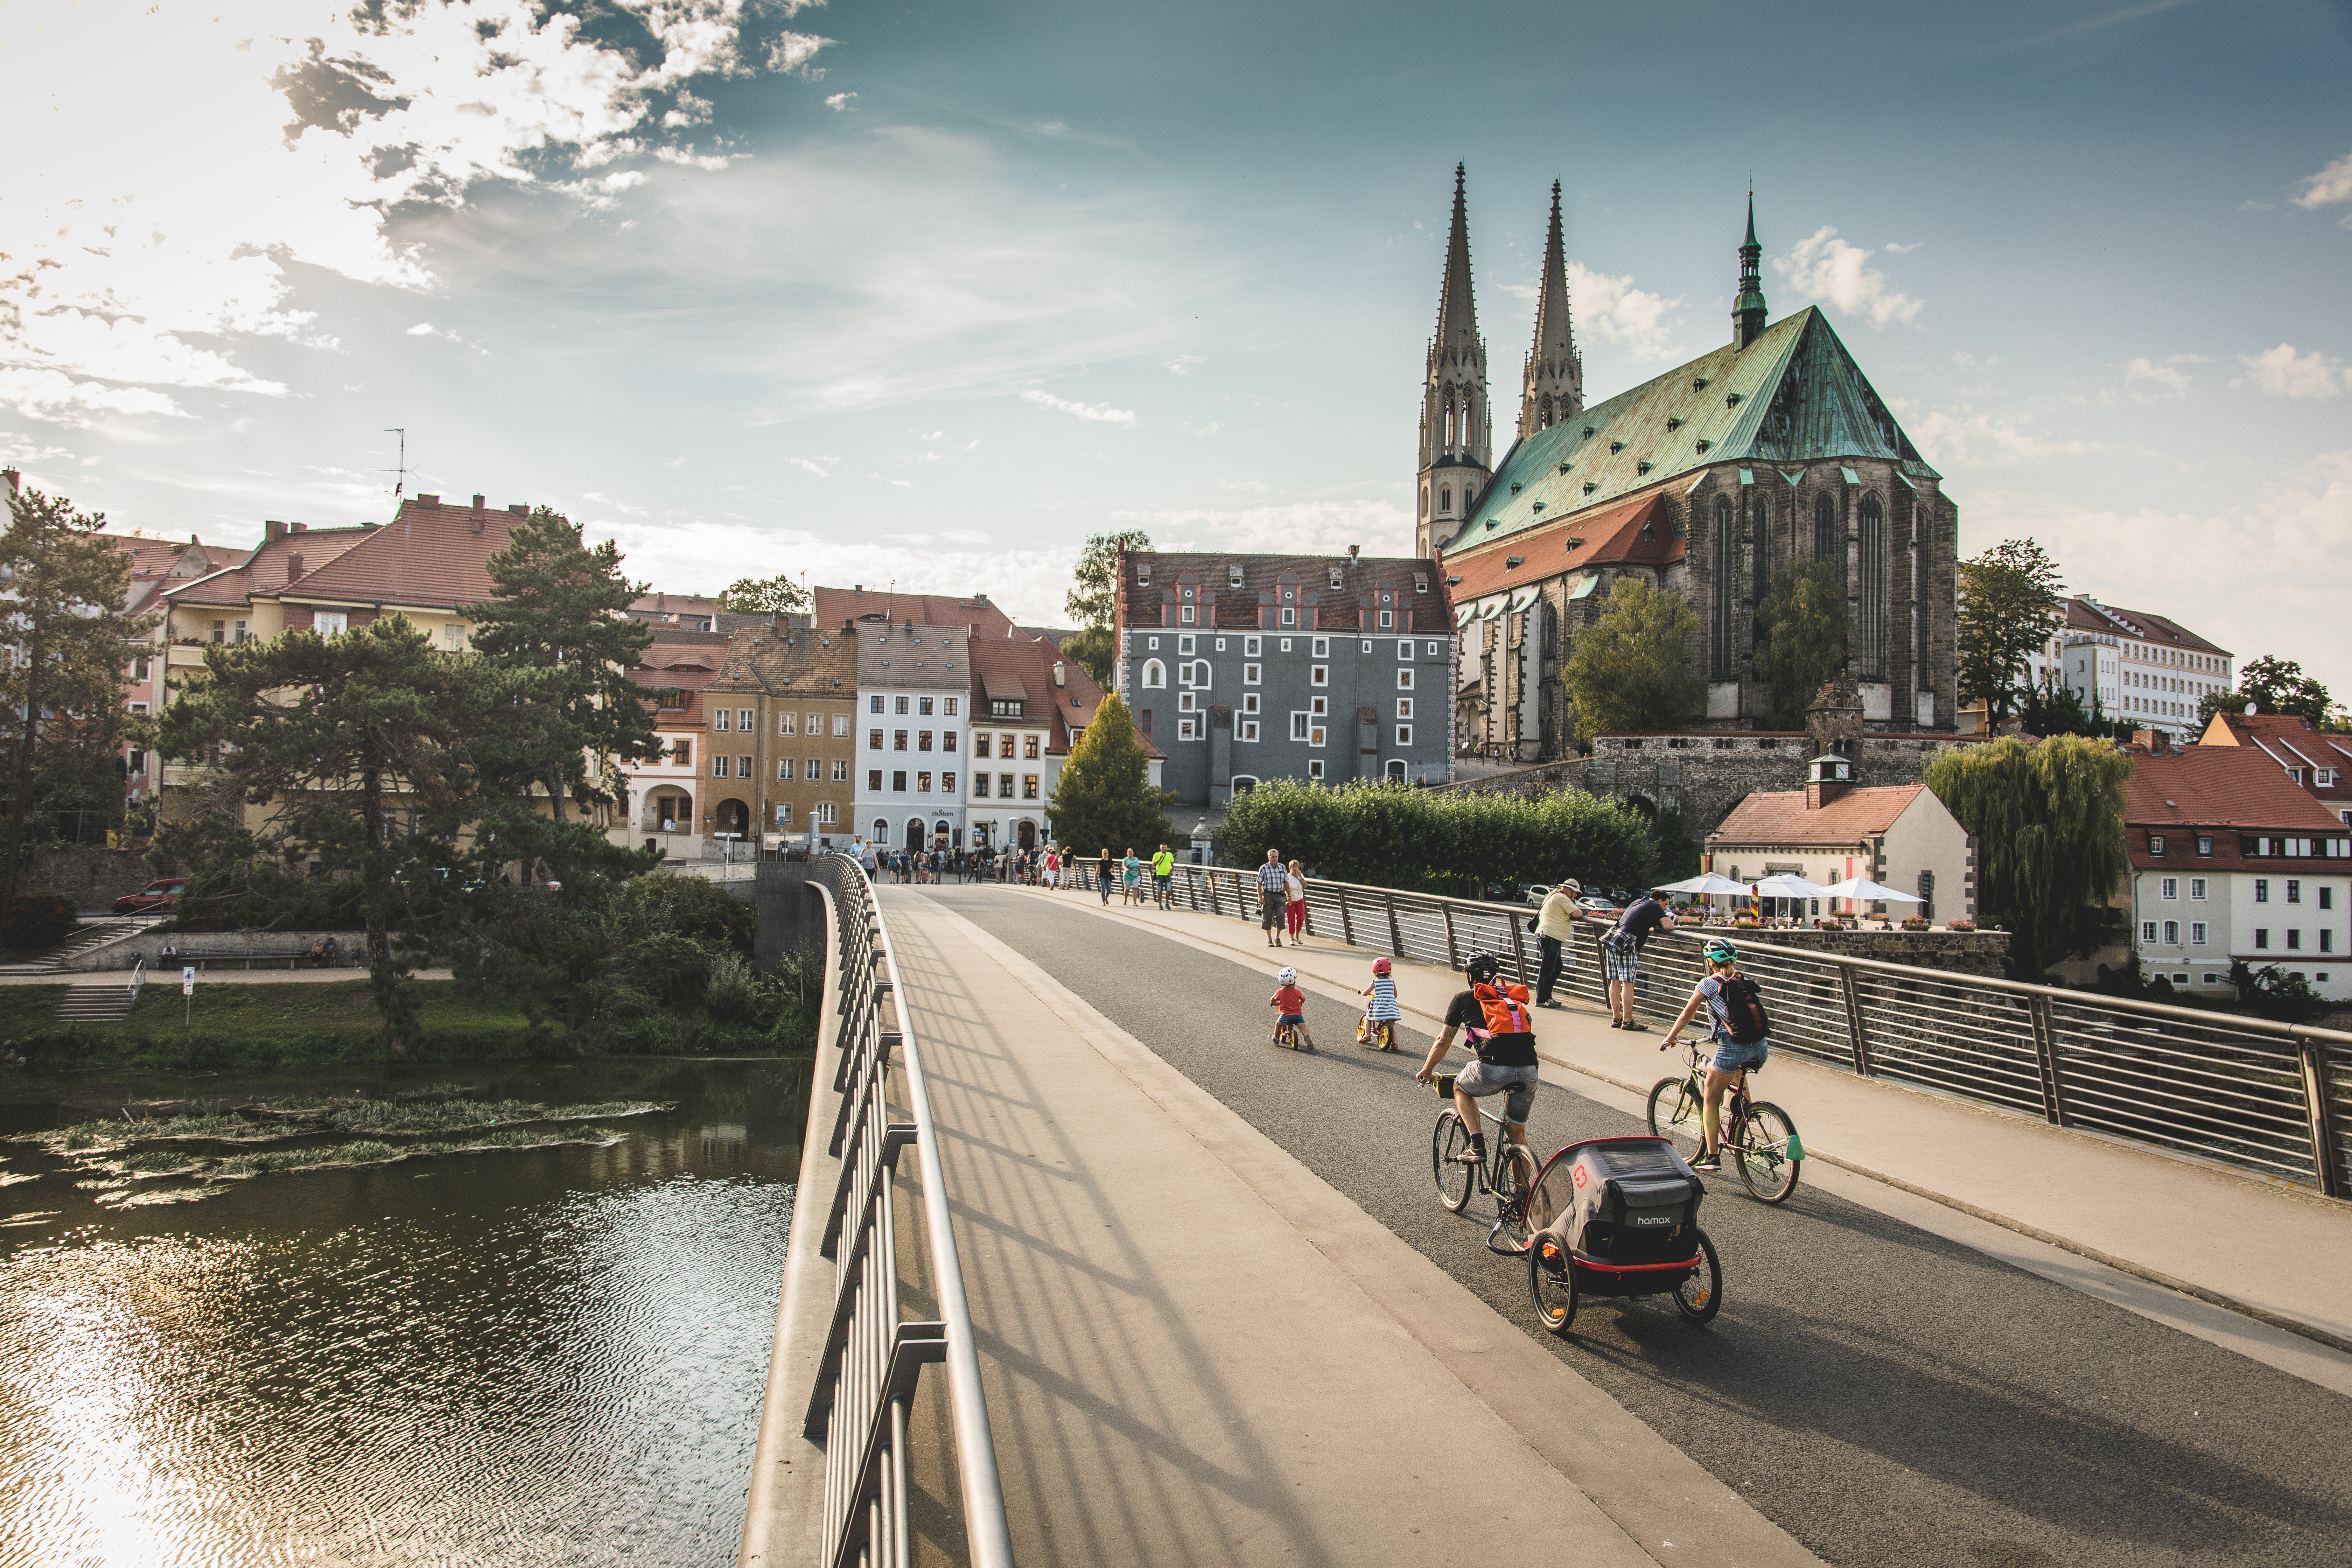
(1619, 1216)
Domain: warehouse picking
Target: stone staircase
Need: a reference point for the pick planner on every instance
(106, 1002)
(97, 933)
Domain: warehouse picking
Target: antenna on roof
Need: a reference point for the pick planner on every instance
(400, 473)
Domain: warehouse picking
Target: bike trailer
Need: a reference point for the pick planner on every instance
(1627, 1209)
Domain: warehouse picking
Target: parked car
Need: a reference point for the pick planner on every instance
(1597, 904)
(160, 894)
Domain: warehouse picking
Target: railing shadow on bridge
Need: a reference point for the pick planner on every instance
(862, 1405)
(2263, 1097)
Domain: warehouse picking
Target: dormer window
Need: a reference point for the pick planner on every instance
(1421, 581)
(1672, 424)
(1334, 576)
(1616, 446)
(1143, 570)
(1232, 576)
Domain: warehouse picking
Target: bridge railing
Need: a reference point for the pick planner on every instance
(2271, 1097)
(863, 1395)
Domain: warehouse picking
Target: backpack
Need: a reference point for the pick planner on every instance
(1744, 1005)
(1506, 1008)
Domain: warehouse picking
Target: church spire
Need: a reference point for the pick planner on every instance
(1456, 431)
(1748, 312)
(1554, 377)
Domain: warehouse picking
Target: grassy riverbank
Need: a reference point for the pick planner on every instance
(308, 1024)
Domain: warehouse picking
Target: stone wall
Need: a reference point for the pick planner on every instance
(91, 876)
(1983, 953)
(194, 946)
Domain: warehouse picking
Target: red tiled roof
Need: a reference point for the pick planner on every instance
(836, 607)
(2235, 789)
(1003, 668)
(2291, 741)
(1610, 536)
(2089, 615)
(269, 566)
(429, 555)
(1779, 816)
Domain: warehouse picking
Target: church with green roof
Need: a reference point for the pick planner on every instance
(1771, 447)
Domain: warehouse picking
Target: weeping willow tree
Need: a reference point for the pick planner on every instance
(2048, 820)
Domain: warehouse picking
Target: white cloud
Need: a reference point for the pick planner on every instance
(2148, 380)
(793, 52)
(1309, 527)
(1968, 361)
(2282, 372)
(1608, 307)
(1101, 413)
(841, 102)
(2330, 185)
(1832, 269)
(1949, 438)
(53, 396)
(1893, 250)
(287, 141)
(811, 467)
(1183, 364)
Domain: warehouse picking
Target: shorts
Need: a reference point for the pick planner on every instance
(1620, 963)
(1731, 1057)
(1482, 1078)
(1292, 1019)
(1160, 879)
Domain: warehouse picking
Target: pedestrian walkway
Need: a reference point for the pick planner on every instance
(1196, 1350)
(2234, 1259)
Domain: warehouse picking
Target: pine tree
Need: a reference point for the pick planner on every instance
(1106, 795)
(63, 689)
(560, 640)
(1630, 670)
(2048, 820)
(353, 750)
(1807, 628)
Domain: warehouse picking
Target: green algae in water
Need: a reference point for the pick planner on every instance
(464, 1115)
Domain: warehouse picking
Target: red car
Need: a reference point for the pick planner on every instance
(160, 894)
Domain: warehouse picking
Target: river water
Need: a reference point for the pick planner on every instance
(540, 1356)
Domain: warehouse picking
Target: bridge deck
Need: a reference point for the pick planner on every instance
(1197, 1351)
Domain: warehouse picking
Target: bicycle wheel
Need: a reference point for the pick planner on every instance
(1551, 1281)
(1765, 1163)
(1446, 1140)
(1672, 1109)
(1514, 1174)
(1700, 1296)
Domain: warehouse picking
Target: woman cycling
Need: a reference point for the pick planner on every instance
(1725, 992)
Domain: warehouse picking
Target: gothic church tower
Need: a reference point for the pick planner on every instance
(1554, 378)
(1456, 434)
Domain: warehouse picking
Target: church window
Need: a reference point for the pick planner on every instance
(1871, 572)
(1825, 532)
(1725, 598)
(1763, 560)
(1446, 500)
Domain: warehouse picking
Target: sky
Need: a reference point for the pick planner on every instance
(926, 293)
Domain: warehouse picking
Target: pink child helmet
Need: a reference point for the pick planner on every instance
(1380, 966)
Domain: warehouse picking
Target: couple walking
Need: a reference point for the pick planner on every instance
(1282, 900)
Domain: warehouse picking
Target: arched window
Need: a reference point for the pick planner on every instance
(1446, 500)
(1727, 587)
(1871, 578)
(1199, 675)
(1154, 673)
(1763, 565)
(1396, 769)
(1826, 543)
(1543, 420)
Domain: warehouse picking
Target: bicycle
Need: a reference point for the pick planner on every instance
(1506, 1174)
(1292, 1038)
(1756, 1135)
(1376, 1036)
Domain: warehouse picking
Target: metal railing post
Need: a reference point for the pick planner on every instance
(1346, 926)
(2313, 1057)
(1396, 933)
(1518, 946)
(1858, 1036)
(2045, 1053)
(1452, 951)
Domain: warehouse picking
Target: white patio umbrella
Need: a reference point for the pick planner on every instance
(1705, 885)
(1787, 887)
(1863, 889)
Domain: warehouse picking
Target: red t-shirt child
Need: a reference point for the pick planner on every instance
(1292, 1002)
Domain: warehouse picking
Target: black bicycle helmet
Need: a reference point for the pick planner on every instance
(1483, 968)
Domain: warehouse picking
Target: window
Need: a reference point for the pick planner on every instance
(2197, 933)
(326, 623)
(1187, 729)
(1232, 576)
(783, 814)
(1185, 645)
(744, 766)
(1322, 647)
(1429, 650)
(2168, 888)
(841, 726)
(2262, 936)
(923, 740)
(784, 723)
(873, 740)
(2326, 897)
(1314, 767)
(1154, 673)
(979, 786)
(140, 667)
(1252, 674)
(1221, 644)
(841, 770)
(1299, 722)
(2295, 938)
(873, 705)
(900, 706)
(1005, 786)
(2204, 844)
(681, 754)
(2147, 933)
(1405, 734)
(1405, 707)
(1873, 584)
(922, 784)
(897, 739)
(1404, 680)
(745, 720)
(1320, 675)
(1250, 700)
(1005, 746)
(452, 638)
(923, 707)
(717, 766)
(815, 725)
(813, 769)
(947, 783)
(898, 780)
(2173, 934)
(1368, 647)
(2156, 842)
(1152, 643)
(722, 720)
(1250, 645)
(1246, 730)
(1145, 726)
(2196, 887)
(1186, 616)
(2294, 891)
(1029, 747)
(1319, 706)
(1405, 647)
(2326, 938)
(949, 706)
(2261, 890)
(824, 814)
(784, 770)
(1028, 786)
(1286, 645)
(1199, 675)
(1387, 619)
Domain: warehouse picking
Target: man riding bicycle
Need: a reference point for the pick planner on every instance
(1506, 1056)
(1718, 992)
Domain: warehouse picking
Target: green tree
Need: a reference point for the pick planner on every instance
(2012, 602)
(1106, 794)
(353, 749)
(63, 688)
(559, 644)
(1630, 670)
(1804, 631)
(2048, 820)
(2215, 702)
(1093, 598)
(776, 595)
(2054, 708)
(1093, 650)
(2280, 685)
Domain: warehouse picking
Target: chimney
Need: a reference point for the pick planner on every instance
(1827, 777)
(477, 502)
(293, 566)
(2159, 743)
(272, 531)
(1354, 550)
(428, 501)
(1057, 673)
(16, 480)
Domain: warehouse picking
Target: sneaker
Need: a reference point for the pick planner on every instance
(1471, 1157)
(1710, 1162)
(1554, 1006)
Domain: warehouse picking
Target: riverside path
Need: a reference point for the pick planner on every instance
(1879, 1390)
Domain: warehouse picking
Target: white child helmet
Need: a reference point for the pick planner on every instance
(1286, 976)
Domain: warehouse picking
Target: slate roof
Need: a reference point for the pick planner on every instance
(838, 606)
(795, 661)
(1635, 532)
(1792, 397)
(428, 556)
(2085, 614)
(1779, 816)
(891, 654)
(1148, 579)
(1002, 667)
(2236, 788)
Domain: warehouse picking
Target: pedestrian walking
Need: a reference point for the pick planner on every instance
(1554, 922)
(1293, 892)
(1103, 864)
(1273, 890)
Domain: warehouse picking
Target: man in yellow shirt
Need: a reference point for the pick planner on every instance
(1163, 869)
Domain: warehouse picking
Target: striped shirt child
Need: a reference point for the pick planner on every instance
(1384, 1008)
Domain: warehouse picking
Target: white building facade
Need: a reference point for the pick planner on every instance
(913, 757)
(2144, 668)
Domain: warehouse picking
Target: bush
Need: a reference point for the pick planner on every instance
(2273, 993)
(1394, 836)
(36, 921)
(691, 907)
(734, 993)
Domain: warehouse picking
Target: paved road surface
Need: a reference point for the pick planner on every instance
(1885, 1395)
